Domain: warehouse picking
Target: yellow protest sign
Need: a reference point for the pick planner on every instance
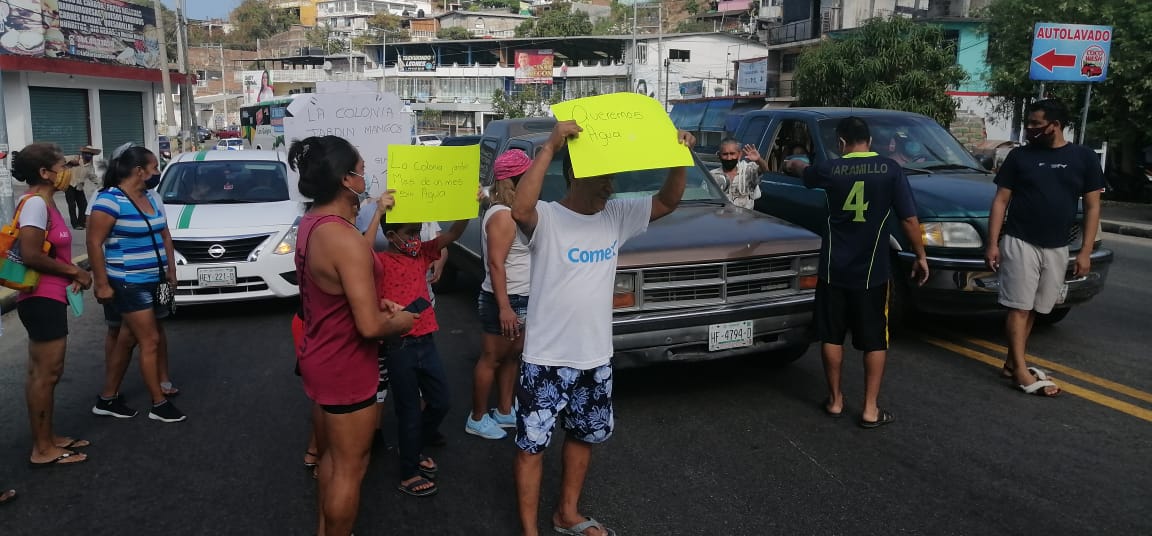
(433, 183)
(622, 132)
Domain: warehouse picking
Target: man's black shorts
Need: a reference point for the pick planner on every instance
(864, 312)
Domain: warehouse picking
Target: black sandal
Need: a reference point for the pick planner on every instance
(313, 455)
(412, 487)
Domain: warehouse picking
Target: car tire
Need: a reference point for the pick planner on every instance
(1052, 318)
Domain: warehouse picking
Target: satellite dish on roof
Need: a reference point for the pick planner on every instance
(327, 66)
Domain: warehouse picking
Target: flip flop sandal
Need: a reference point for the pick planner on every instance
(1037, 388)
(579, 528)
(311, 465)
(8, 496)
(412, 488)
(427, 472)
(885, 418)
(168, 389)
(58, 461)
(75, 443)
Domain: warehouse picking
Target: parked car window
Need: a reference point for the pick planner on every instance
(233, 181)
(791, 137)
(914, 142)
(700, 186)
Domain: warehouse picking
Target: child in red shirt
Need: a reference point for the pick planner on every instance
(414, 367)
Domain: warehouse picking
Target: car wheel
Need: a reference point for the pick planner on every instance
(1055, 316)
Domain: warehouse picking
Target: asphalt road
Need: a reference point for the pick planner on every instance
(729, 448)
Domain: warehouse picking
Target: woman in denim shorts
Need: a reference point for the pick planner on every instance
(503, 303)
(130, 249)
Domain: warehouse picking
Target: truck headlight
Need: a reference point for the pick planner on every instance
(806, 269)
(624, 292)
(950, 234)
(288, 244)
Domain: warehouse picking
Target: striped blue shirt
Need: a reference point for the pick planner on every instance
(129, 253)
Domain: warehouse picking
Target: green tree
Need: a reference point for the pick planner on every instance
(694, 26)
(260, 19)
(455, 33)
(526, 103)
(560, 21)
(890, 63)
(383, 27)
(692, 7)
(1121, 108)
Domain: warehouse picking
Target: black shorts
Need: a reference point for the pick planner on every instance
(864, 312)
(45, 319)
(345, 409)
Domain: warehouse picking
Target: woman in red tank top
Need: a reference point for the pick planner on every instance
(343, 322)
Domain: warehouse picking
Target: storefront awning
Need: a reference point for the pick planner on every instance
(713, 119)
(687, 116)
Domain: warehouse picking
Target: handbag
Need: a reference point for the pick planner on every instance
(13, 273)
(164, 296)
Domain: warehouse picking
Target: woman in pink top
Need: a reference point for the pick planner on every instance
(343, 322)
(44, 311)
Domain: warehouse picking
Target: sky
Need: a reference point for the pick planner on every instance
(206, 9)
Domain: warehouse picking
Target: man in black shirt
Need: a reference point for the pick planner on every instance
(864, 191)
(1040, 185)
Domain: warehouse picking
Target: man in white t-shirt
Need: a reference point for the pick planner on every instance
(566, 375)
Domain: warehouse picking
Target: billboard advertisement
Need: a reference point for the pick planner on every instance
(416, 62)
(692, 90)
(752, 76)
(534, 66)
(120, 32)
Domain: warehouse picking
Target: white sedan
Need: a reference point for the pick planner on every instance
(233, 218)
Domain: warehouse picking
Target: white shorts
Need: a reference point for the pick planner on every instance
(1032, 278)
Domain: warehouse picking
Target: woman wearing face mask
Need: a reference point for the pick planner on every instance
(503, 303)
(44, 311)
(907, 150)
(343, 321)
(125, 218)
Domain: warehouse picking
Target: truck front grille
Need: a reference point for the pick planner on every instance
(716, 283)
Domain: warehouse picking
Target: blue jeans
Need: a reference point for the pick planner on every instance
(415, 371)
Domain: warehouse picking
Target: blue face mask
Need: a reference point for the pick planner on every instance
(799, 157)
(152, 182)
(913, 148)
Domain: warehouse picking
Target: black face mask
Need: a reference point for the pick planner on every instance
(152, 182)
(729, 165)
(1037, 136)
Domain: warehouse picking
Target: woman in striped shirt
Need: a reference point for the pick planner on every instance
(130, 250)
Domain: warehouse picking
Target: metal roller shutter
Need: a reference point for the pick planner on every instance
(121, 118)
(60, 115)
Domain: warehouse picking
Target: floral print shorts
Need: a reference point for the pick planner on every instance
(581, 399)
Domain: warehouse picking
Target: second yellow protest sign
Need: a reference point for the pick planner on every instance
(622, 132)
(433, 183)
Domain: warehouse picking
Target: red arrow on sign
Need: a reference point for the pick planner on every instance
(1050, 60)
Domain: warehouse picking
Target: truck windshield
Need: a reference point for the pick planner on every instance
(700, 186)
(915, 142)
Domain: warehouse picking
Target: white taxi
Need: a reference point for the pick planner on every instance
(233, 218)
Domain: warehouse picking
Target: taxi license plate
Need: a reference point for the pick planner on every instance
(730, 335)
(217, 277)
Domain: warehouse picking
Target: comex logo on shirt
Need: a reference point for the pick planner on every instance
(589, 256)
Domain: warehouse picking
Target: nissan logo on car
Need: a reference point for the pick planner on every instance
(216, 251)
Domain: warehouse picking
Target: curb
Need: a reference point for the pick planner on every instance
(1126, 229)
(8, 296)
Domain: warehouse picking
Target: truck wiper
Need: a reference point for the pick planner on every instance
(918, 171)
(955, 166)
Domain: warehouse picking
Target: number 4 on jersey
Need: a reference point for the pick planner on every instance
(855, 202)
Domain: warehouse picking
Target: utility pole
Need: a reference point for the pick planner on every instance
(165, 75)
(188, 103)
(632, 70)
(224, 83)
(7, 200)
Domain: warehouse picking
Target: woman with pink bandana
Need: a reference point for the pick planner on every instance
(503, 303)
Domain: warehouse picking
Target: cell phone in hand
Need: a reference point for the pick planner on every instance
(419, 305)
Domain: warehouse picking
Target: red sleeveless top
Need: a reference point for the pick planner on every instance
(338, 366)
